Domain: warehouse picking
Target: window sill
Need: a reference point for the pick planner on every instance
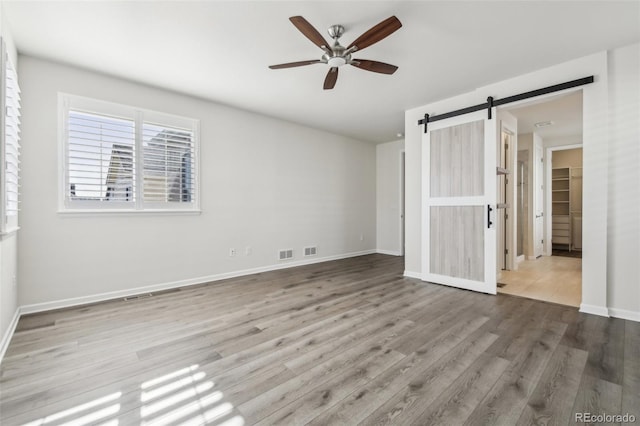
(127, 212)
(9, 232)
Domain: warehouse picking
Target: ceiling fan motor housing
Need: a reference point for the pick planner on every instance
(335, 31)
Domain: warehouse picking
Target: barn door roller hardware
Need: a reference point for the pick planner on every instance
(491, 102)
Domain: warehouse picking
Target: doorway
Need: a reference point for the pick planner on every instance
(566, 201)
(548, 204)
(402, 201)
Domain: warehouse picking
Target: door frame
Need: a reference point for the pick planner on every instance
(548, 223)
(402, 201)
(509, 124)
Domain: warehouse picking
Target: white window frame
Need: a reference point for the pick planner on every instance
(8, 219)
(67, 102)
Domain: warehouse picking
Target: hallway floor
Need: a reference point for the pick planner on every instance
(553, 279)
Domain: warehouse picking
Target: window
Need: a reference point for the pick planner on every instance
(10, 145)
(123, 158)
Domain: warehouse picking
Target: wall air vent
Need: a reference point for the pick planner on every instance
(285, 254)
(310, 251)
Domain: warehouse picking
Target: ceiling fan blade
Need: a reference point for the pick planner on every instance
(331, 78)
(374, 66)
(295, 64)
(377, 33)
(309, 32)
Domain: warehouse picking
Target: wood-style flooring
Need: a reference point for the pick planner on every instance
(553, 279)
(337, 343)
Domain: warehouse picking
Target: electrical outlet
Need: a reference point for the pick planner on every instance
(232, 252)
(248, 251)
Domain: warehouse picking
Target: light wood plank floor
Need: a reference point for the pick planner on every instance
(344, 342)
(555, 279)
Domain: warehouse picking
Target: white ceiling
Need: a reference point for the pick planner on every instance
(565, 111)
(220, 50)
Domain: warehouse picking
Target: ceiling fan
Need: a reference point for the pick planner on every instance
(337, 55)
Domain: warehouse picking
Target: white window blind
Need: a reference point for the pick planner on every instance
(100, 158)
(169, 169)
(11, 145)
(119, 157)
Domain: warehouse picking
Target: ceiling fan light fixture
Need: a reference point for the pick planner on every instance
(336, 61)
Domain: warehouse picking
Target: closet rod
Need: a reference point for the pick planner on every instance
(497, 102)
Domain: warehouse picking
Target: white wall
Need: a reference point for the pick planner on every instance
(567, 158)
(389, 197)
(596, 139)
(265, 184)
(623, 244)
(8, 243)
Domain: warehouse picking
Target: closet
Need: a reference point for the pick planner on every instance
(566, 208)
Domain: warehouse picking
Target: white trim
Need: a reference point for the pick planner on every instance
(8, 334)
(401, 202)
(389, 252)
(412, 274)
(9, 232)
(509, 125)
(625, 314)
(101, 297)
(594, 310)
(126, 212)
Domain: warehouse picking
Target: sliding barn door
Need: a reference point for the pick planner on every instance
(459, 202)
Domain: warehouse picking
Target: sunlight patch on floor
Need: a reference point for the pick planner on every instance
(183, 397)
(90, 418)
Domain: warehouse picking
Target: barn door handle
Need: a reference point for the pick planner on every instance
(489, 210)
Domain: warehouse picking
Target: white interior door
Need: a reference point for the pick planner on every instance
(459, 202)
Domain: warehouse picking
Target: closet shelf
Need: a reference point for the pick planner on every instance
(566, 197)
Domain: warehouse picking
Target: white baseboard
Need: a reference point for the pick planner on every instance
(594, 310)
(101, 297)
(412, 274)
(389, 252)
(8, 334)
(625, 314)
